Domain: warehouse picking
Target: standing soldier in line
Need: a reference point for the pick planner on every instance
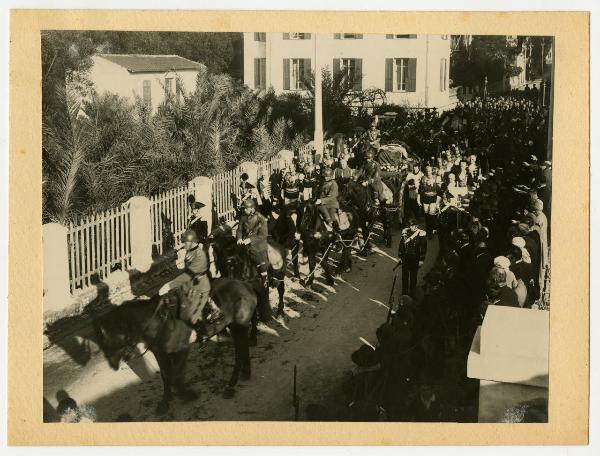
(411, 251)
(310, 181)
(196, 224)
(290, 191)
(413, 181)
(195, 268)
(429, 198)
(253, 231)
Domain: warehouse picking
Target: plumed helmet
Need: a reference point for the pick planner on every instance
(190, 236)
(250, 203)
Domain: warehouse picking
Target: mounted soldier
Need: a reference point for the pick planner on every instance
(196, 224)
(374, 136)
(327, 201)
(290, 191)
(248, 191)
(370, 175)
(195, 267)
(253, 232)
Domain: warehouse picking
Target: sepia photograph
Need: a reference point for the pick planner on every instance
(296, 226)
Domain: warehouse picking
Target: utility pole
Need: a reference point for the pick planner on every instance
(318, 138)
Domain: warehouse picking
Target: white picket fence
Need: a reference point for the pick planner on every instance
(96, 243)
(169, 211)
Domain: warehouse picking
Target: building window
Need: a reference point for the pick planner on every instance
(260, 73)
(147, 92)
(400, 75)
(352, 69)
(348, 36)
(443, 73)
(260, 36)
(392, 36)
(296, 36)
(295, 73)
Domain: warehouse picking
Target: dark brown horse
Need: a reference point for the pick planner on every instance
(155, 322)
(317, 240)
(233, 260)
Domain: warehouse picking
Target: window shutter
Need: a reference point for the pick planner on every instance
(257, 73)
(358, 36)
(307, 36)
(358, 75)
(441, 75)
(286, 74)
(336, 67)
(256, 36)
(389, 36)
(412, 76)
(337, 36)
(389, 74)
(412, 36)
(286, 36)
(263, 72)
(306, 74)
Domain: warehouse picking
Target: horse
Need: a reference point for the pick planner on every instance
(233, 260)
(316, 239)
(358, 198)
(155, 323)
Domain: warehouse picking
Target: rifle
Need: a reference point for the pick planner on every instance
(295, 397)
(391, 298)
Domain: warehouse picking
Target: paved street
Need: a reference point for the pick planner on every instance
(321, 330)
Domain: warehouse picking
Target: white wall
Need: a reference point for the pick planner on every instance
(110, 77)
(372, 48)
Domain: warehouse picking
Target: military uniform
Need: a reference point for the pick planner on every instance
(255, 228)
(370, 172)
(291, 189)
(329, 203)
(196, 269)
(411, 250)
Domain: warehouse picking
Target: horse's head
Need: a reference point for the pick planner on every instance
(238, 264)
(115, 340)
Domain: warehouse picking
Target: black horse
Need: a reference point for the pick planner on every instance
(155, 322)
(357, 199)
(233, 261)
(316, 239)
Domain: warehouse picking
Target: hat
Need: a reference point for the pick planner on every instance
(198, 205)
(502, 262)
(538, 205)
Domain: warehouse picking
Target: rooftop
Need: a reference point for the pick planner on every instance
(145, 63)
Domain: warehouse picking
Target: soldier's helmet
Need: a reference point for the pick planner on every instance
(190, 236)
(250, 203)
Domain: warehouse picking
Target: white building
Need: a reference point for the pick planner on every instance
(149, 77)
(412, 69)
